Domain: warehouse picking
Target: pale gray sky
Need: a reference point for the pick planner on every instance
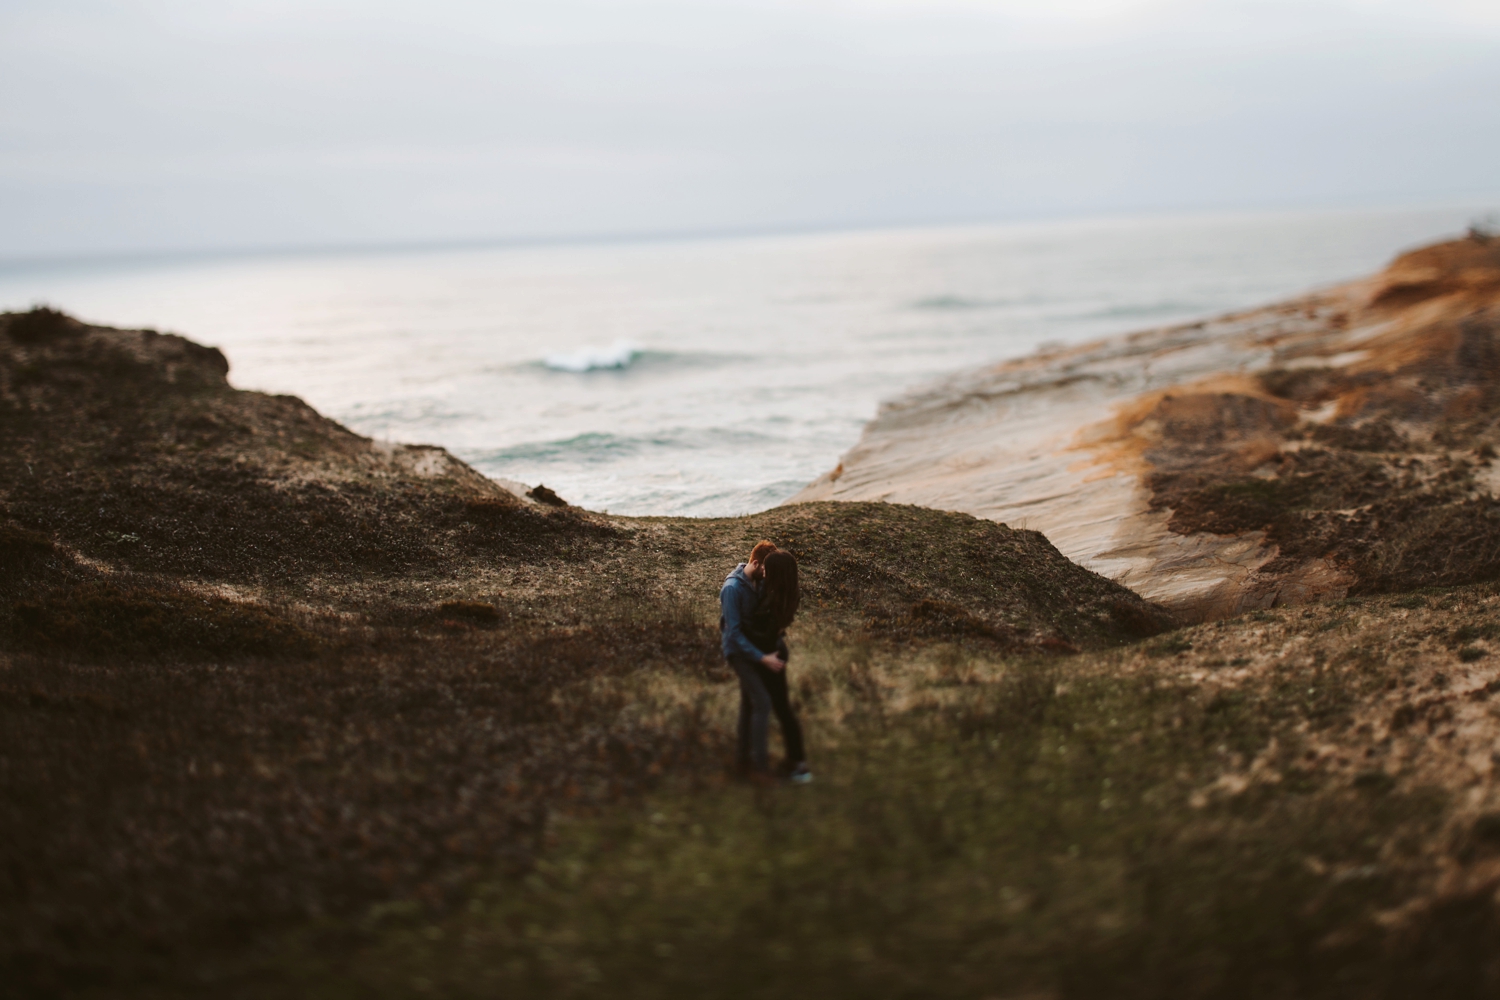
(132, 125)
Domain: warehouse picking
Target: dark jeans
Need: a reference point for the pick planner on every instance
(762, 692)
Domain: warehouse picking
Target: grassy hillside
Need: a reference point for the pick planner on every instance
(258, 669)
(285, 712)
(1269, 806)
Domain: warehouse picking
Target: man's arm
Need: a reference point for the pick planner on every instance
(732, 600)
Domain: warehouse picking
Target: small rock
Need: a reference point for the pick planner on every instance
(543, 495)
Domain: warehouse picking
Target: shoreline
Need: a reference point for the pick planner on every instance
(1121, 450)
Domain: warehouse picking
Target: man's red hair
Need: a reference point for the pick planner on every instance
(761, 550)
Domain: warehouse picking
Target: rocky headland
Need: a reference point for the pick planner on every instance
(1341, 443)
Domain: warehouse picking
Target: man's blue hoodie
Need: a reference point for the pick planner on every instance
(737, 600)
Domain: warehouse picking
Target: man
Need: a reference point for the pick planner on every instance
(737, 600)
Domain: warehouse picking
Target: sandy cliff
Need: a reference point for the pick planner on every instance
(1338, 442)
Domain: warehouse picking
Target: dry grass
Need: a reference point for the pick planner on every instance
(1270, 806)
(281, 714)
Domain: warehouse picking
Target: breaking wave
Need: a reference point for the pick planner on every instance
(615, 357)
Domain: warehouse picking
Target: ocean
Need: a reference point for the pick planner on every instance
(701, 376)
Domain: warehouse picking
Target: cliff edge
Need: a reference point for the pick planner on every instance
(1342, 442)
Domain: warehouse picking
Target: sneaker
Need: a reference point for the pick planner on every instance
(801, 775)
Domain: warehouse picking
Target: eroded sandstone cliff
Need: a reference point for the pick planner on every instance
(1342, 442)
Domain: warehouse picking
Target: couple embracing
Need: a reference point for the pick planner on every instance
(758, 601)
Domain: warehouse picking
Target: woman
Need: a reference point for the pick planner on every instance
(767, 630)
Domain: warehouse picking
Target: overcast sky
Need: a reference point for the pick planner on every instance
(138, 125)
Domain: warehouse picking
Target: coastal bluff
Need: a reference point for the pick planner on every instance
(259, 672)
(287, 712)
(1342, 442)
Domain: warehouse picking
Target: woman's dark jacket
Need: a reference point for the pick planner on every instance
(760, 628)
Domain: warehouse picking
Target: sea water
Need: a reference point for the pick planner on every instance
(697, 376)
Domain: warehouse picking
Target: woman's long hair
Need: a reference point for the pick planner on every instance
(782, 592)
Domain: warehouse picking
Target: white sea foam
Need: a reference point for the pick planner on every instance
(586, 359)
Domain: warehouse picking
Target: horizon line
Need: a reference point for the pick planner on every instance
(312, 249)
